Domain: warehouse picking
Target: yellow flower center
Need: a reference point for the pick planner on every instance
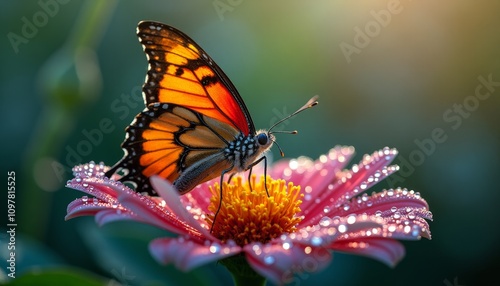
(250, 215)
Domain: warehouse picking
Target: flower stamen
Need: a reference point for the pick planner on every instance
(250, 215)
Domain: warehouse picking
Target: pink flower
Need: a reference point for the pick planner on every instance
(323, 207)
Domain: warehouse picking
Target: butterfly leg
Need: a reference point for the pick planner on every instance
(265, 173)
(220, 189)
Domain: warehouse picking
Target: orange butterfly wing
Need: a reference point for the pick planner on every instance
(192, 113)
(181, 72)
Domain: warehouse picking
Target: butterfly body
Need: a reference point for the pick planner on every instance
(195, 126)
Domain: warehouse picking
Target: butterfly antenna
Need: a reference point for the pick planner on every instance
(279, 147)
(312, 102)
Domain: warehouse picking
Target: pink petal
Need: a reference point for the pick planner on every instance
(384, 202)
(200, 196)
(150, 211)
(303, 171)
(85, 207)
(170, 195)
(278, 264)
(388, 251)
(330, 229)
(188, 254)
(371, 170)
(111, 215)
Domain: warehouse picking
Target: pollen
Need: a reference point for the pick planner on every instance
(251, 215)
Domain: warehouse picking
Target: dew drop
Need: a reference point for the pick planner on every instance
(397, 215)
(78, 179)
(390, 193)
(369, 203)
(325, 221)
(85, 199)
(307, 249)
(363, 186)
(411, 215)
(85, 185)
(407, 229)
(394, 209)
(378, 213)
(214, 248)
(351, 219)
(392, 228)
(257, 249)
(364, 197)
(269, 259)
(415, 231)
(326, 209)
(316, 240)
(346, 207)
(342, 228)
(286, 245)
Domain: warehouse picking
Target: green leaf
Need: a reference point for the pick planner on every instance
(61, 276)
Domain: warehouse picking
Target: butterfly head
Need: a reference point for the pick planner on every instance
(264, 140)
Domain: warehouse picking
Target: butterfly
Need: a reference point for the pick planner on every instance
(195, 126)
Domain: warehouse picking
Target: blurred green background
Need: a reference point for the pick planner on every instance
(404, 74)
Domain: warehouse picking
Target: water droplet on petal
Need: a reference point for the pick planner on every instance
(85, 199)
(346, 207)
(214, 248)
(326, 209)
(269, 259)
(364, 197)
(369, 203)
(378, 213)
(397, 215)
(355, 168)
(307, 249)
(257, 249)
(286, 245)
(316, 240)
(342, 228)
(411, 215)
(394, 209)
(351, 219)
(415, 231)
(325, 221)
(392, 228)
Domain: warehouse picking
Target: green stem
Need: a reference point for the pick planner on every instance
(243, 274)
